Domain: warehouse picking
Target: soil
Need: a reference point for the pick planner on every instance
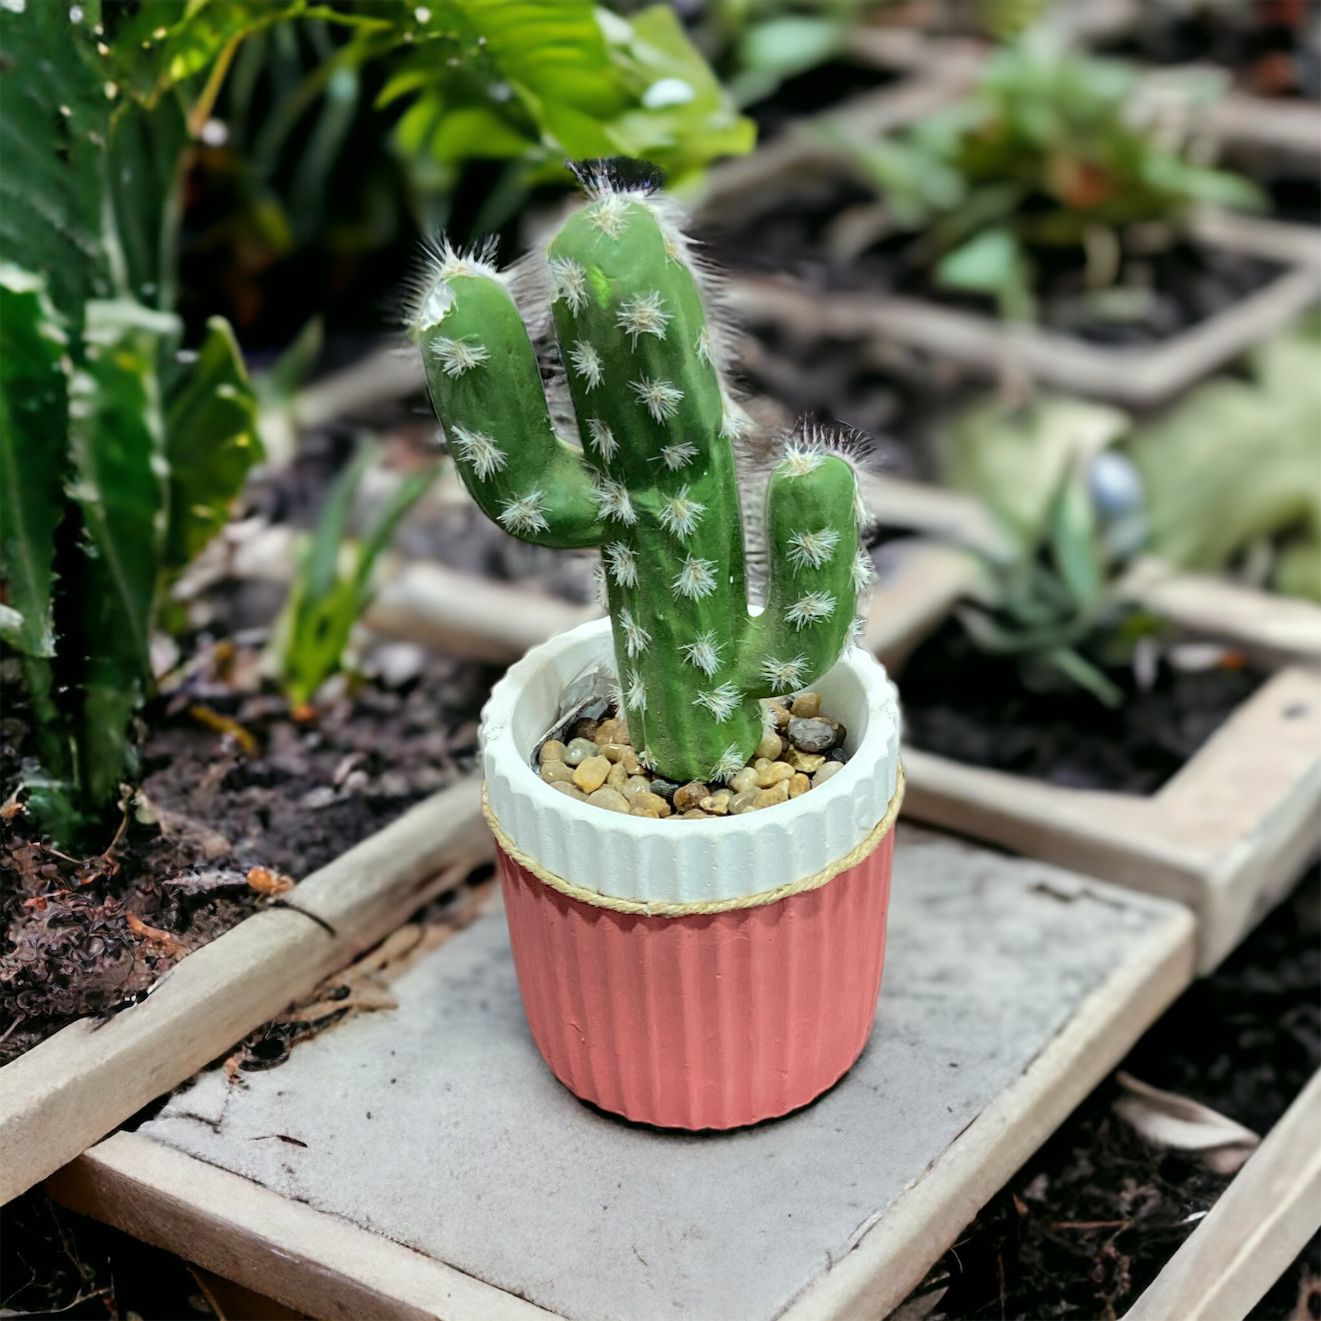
(1154, 296)
(975, 708)
(814, 92)
(1089, 1221)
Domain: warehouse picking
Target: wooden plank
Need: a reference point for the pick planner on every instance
(914, 598)
(1011, 988)
(1249, 1237)
(318, 1264)
(76, 1086)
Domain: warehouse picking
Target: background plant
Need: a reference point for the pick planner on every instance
(119, 451)
(653, 483)
(1050, 151)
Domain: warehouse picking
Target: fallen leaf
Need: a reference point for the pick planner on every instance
(1167, 1119)
(154, 934)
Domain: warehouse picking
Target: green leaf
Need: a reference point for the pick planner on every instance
(116, 434)
(1087, 676)
(33, 461)
(994, 263)
(211, 442)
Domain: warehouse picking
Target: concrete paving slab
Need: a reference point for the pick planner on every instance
(1010, 988)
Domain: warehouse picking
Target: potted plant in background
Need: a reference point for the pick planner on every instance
(689, 973)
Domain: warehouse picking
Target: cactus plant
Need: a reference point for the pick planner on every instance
(654, 481)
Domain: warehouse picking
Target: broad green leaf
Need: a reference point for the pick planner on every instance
(116, 434)
(34, 410)
(991, 263)
(211, 442)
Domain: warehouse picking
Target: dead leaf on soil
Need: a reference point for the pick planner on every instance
(1167, 1119)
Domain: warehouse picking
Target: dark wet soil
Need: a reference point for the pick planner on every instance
(975, 708)
(1090, 1220)
(1155, 295)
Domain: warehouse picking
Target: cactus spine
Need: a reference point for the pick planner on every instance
(653, 484)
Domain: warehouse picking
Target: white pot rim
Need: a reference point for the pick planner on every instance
(654, 861)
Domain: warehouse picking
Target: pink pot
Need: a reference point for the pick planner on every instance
(713, 1019)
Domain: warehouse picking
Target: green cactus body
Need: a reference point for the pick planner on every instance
(653, 483)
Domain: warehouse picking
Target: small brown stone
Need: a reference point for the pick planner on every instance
(777, 793)
(807, 704)
(555, 770)
(611, 799)
(742, 802)
(606, 731)
(569, 788)
(551, 750)
(630, 761)
(590, 774)
(743, 780)
(648, 804)
(579, 750)
(800, 784)
(827, 769)
(689, 795)
(618, 777)
(636, 784)
(804, 761)
(779, 712)
(694, 814)
(771, 746)
(613, 751)
(716, 804)
(585, 728)
(774, 772)
(815, 733)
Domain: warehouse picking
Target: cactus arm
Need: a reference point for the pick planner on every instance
(482, 373)
(633, 335)
(812, 541)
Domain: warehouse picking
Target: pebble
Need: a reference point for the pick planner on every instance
(608, 731)
(717, 804)
(779, 712)
(618, 777)
(743, 780)
(804, 761)
(742, 802)
(777, 793)
(800, 784)
(585, 728)
(648, 804)
(812, 734)
(551, 771)
(614, 751)
(689, 795)
(637, 784)
(568, 787)
(827, 770)
(694, 814)
(552, 750)
(771, 746)
(579, 750)
(772, 772)
(807, 704)
(590, 774)
(665, 788)
(611, 799)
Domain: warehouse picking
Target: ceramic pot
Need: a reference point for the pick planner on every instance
(695, 974)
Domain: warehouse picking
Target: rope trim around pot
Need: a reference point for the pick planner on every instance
(700, 907)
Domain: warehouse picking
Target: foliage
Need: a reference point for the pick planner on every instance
(1048, 152)
(1237, 463)
(653, 482)
(1049, 594)
(334, 586)
(120, 453)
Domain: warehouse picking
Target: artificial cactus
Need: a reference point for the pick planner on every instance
(653, 483)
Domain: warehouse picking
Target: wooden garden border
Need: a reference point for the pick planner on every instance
(321, 1264)
(78, 1085)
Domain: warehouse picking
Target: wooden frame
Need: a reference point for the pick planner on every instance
(81, 1083)
(322, 1265)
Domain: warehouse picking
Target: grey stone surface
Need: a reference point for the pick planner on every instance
(438, 1126)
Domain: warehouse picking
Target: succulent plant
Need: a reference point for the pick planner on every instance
(654, 482)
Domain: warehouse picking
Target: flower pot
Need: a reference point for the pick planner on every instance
(695, 974)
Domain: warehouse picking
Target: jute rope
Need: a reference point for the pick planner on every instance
(699, 907)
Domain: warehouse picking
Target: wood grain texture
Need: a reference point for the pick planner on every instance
(78, 1085)
(1249, 1237)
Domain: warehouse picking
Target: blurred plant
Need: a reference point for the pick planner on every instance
(334, 583)
(1237, 465)
(120, 453)
(1048, 152)
(1050, 593)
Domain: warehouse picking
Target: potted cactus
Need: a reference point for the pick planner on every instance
(686, 973)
